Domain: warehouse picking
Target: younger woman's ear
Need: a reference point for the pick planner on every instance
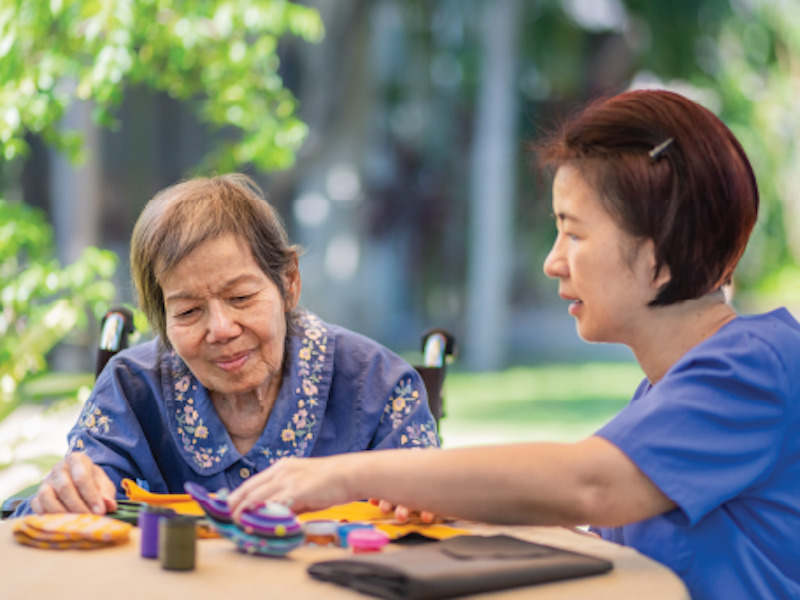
(661, 276)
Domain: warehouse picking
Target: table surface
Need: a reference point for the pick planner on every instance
(222, 572)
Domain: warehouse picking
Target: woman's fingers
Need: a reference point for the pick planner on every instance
(427, 516)
(403, 513)
(304, 484)
(75, 485)
(45, 501)
(107, 489)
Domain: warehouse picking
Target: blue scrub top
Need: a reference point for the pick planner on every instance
(149, 418)
(720, 436)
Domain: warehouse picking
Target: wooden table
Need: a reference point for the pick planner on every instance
(119, 573)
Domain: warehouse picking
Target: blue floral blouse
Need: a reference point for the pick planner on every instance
(149, 419)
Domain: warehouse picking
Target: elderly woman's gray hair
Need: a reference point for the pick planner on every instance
(183, 216)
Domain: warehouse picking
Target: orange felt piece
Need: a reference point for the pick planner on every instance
(70, 531)
(181, 503)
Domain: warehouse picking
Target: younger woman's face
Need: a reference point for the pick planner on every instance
(606, 274)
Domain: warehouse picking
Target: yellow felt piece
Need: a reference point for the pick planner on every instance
(68, 526)
(67, 531)
(23, 528)
(368, 512)
(352, 511)
(26, 540)
(181, 503)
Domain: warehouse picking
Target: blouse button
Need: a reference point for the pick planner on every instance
(244, 472)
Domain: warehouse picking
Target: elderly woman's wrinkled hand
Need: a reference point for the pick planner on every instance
(75, 485)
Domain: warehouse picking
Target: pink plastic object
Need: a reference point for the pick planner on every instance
(367, 540)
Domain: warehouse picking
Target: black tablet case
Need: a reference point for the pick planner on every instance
(461, 565)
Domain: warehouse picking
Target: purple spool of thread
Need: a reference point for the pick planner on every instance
(148, 521)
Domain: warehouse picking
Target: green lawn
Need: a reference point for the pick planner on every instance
(555, 402)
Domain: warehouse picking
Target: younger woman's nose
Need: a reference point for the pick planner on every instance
(555, 264)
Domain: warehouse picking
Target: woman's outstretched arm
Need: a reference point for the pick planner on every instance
(590, 481)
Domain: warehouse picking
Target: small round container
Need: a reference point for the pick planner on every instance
(362, 541)
(345, 528)
(148, 521)
(177, 537)
(321, 533)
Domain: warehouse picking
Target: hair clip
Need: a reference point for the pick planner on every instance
(657, 151)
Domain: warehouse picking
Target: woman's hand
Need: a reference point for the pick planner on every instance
(75, 485)
(303, 484)
(402, 513)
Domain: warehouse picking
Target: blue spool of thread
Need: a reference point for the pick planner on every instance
(346, 528)
(148, 521)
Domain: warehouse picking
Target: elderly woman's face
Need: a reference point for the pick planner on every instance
(225, 318)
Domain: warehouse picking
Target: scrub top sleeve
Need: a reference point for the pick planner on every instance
(712, 427)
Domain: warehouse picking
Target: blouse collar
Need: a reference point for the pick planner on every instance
(296, 417)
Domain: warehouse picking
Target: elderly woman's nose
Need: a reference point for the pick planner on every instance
(221, 322)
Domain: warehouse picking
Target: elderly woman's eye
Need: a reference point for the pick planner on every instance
(242, 298)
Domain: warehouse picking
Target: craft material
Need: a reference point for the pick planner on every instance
(345, 528)
(70, 531)
(271, 520)
(362, 541)
(127, 511)
(269, 530)
(149, 519)
(177, 542)
(183, 504)
(364, 511)
(322, 533)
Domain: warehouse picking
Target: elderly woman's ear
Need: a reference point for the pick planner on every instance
(294, 285)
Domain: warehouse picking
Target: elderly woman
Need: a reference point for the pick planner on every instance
(238, 377)
(654, 201)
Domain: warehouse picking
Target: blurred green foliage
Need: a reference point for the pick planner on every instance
(756, 70)
(219, 55)
(41, 301)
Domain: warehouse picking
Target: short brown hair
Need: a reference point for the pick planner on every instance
(183, 216)
(696, 198)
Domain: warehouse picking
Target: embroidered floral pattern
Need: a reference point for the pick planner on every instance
(403, 401)
(93, 420)
(298, 433)
(192, 430)
(419, 435)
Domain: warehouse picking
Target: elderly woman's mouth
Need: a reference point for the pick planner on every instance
(232, 363)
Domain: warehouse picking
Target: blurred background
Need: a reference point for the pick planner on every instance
(391, 135)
